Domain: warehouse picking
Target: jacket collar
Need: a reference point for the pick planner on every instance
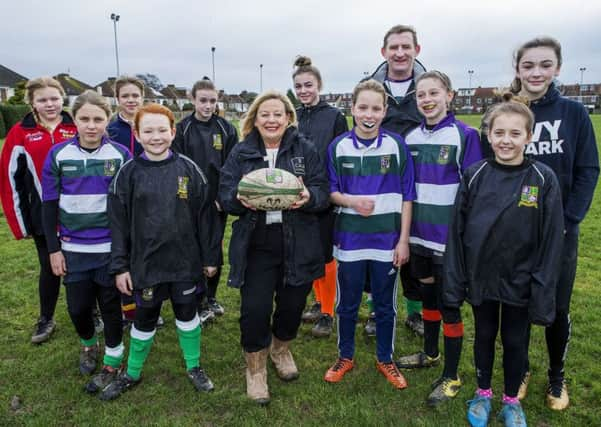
(319, 106)
(255, 147)
(448, 120)
(30, 122)
(549, 97)
(382, 71)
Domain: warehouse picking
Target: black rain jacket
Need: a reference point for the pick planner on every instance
(506, 238)
(303, 256)
(164, 227)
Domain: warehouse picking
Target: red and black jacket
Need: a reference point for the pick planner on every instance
(21, 163)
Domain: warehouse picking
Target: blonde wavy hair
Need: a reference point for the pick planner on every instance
(248, 122)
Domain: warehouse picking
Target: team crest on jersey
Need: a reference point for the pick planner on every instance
(274, 176)
(529, 196)
(147, 294)
(110, 167)
(444, 154)
(182, 187)
(217, 142)
(384, 163)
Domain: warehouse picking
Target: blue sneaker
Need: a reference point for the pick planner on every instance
(513, 415)
(478, 411)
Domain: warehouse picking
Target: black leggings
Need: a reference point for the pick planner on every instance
(514, 323)
(48, 284)
(212, 283)
(81, 300)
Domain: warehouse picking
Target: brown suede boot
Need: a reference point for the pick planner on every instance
(283, 360)
(256, 376)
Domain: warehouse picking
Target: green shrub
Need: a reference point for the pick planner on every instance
(11, 114)
(188, 106)
(2, 127)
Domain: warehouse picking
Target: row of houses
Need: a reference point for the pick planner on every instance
(477, 100)
(170, 94)
(466, 100)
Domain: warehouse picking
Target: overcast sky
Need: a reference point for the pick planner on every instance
(173, 39)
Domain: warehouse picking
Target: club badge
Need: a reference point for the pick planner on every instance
(147, 294)
(217, 142)
(444, 154)
(110, 167)
(274, 176)
(182, 187)
(384, 163)
(529, 196)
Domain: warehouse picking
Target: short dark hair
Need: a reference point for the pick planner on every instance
(398, 29)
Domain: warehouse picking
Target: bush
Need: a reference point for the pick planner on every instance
(2, 127)
(11, 114)
(188, 106)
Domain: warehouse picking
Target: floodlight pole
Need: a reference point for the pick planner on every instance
(582, 70)
(261, 78)
(213, 60)
(115, 19)
(469, 93)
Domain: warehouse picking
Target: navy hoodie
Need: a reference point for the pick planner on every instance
(564, 139)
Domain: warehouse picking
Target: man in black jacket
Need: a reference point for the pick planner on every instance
(400, 50)
(207, 139)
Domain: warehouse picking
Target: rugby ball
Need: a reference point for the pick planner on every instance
(269, 189)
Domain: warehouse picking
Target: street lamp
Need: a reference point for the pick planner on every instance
(115, 19)
(582, 70)
(469, 93)
(213, 59)
(261, 78)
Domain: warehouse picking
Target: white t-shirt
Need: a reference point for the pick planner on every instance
(272, 217)
(399, 89)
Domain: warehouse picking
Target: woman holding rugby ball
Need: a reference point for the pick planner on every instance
(273, 255)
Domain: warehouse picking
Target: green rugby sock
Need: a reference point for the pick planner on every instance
(189, 341)
(138, 352)
(370, 303)
(413, 306)
(113, 356)
(89, 343)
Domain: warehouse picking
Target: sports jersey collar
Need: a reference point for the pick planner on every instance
(448, 120)
(360, 146)
(104, 140)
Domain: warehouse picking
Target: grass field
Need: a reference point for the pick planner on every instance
(46, 382)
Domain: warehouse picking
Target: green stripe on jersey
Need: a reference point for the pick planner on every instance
(434, 154)
(383, 223)
(382, 164)
(79, 221)
(431, 214)
(91, 167)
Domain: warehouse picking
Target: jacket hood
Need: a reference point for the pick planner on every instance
(549, 97)
(29, 121)
(382, 71)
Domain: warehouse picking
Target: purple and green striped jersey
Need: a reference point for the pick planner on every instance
(383, 171)
(80, 180)
(440, 156)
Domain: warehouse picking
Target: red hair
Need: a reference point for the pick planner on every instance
(154, 108)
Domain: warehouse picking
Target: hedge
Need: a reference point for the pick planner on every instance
(2, 127)
(10, 115)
